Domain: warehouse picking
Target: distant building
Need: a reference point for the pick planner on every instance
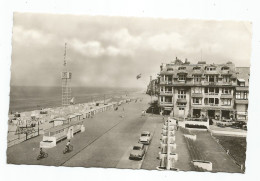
(152, 88)
(218, 91)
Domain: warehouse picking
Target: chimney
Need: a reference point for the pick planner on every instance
(151, 78)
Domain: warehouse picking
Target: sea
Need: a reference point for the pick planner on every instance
(29, 98)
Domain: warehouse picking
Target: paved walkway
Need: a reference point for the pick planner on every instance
(212, 151)
(228, 131)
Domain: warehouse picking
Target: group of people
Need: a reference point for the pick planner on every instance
(42, 153)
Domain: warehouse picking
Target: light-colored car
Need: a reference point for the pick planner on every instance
(145, 138)
(138, 152)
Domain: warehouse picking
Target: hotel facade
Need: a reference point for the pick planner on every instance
(217, 91)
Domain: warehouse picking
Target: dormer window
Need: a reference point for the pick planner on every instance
(241, 82)
(225, 68)
(196, 68)
(210, 68)
(182, 68)
(182, 77)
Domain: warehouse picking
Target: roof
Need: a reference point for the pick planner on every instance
(243, 73)
(78, 114)
(138, 144)
(241, 80)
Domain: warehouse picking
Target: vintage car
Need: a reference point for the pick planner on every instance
(145, 138)
(138, 152)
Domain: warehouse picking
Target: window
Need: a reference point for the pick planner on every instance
(169, 69)
(181, 104)
(226, 102)
(226, 91)
(181, 94)
(196, 68)
(211, 78)
(211, 100)
(181, 109)
(210, 68)
(197, 78)
(225, 68)
(241, 95)
(211, 90)
(182, 77)
(161, 98)
(241, 84)
(216, 90)
(182, 68)
(216, 101)
(206, 90)
(196, 100)
(196, 90)
(161, 89)
(226, 78)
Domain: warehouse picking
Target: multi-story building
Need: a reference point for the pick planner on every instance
(201, 90)
(241, 96)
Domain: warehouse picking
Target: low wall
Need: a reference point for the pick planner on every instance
(206, 165)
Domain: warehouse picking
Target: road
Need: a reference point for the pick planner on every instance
(106, 143)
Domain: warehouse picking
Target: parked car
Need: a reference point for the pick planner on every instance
(238, 124)
(138, 152)
(145, 138)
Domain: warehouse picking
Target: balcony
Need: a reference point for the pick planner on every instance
(196, 95)
(166, 103)
(212, 104)
(227, 96)
(166, 93)
(212, 93)
(241, 101)
(165, 82)
(219, 83)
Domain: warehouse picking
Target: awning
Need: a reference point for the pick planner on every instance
(181, 101)
(241, 80)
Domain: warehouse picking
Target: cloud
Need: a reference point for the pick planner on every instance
(26, 36)
(118, 48)
(90, 48)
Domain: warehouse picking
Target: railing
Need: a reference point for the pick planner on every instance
(196, 119)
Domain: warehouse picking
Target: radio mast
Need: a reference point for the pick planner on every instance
(65, 82)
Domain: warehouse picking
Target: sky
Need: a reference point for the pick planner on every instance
(106, 51)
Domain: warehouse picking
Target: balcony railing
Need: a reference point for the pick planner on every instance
(211, 104)
(166, 93)
(166, 103)
(211, 93)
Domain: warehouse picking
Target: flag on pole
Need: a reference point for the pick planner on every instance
(138, 76)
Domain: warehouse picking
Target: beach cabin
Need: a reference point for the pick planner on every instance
(79, 116)
(72, 117)
(58, 133)
(59, 121)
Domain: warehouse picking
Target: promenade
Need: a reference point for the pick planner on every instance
(109, 138)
